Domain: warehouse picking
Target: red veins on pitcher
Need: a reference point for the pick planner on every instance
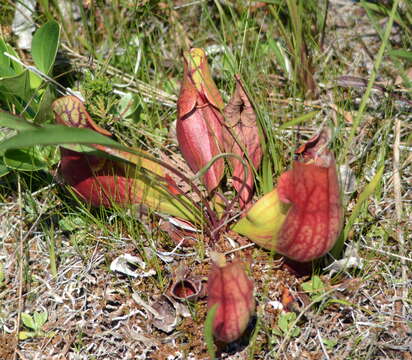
(100, 181)
(199, 123)
(230, 288)
(311, 187)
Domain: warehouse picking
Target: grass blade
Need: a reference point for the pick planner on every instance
(208, 331)
(14, 122)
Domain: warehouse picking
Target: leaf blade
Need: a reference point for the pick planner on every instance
(44, 46)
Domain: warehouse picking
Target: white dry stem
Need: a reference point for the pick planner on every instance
(322, 345)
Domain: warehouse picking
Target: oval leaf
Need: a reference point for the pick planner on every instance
(44, 46)
(24, 159)
(28, 321)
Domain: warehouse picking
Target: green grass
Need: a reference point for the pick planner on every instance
(122, 47)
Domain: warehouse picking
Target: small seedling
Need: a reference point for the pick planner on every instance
(315, 287)
(329, 343)
(34, 323)
(285, 325)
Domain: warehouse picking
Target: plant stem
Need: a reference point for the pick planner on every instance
(52, 253)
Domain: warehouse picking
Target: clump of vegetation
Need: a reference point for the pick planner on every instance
(164, 205)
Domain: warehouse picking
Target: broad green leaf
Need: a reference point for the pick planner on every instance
(14, 122)
(8, 67)
(208, 331)
(23, 335)
(44, 46)
(284, 321)
(330, 343)
(35, 80)
(40, 319)
(366, 193)
(129, 107)
(315, 287)
(25, 159)
(28, 321)
(17, 85)
(281, 57)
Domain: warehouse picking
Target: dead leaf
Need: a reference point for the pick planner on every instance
(241, 137)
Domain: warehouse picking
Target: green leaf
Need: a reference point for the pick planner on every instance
(330, 343)
(161, 199)
(71, 223)
(24, 159)
(40, 319)
(6, 68)
(283, 322)
(4, 170)
(17, 85)
(28, 321)
(23, 335)
(14, 122)
(55, 135)
(315, 285)
(129, 107)
(281, 57)
(35, 80)
(208, 331)
(401, 53)
(44, 46)
(299, 120)
(295, 332)
(267, 176)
